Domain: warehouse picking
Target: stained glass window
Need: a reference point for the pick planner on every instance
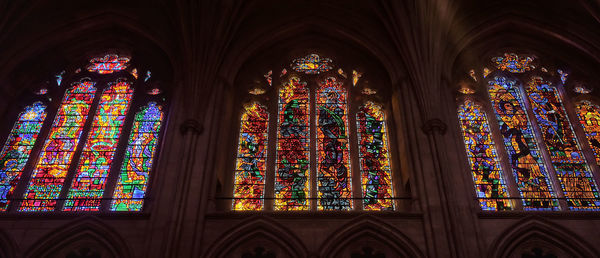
(312, 160)
(489, 181)
(249, 187)
(589, 117)
(108, 64)
(513, 63)
(312, 64)
(293, 140)
(96, 159)
(77, 165)
(17, 148)
(523, 153)
(51, 169)
(374, 158)
(334, 175)
(566, 155)
(134, 174)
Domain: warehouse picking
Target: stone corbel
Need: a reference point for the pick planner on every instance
(434, 125)
(191, 125)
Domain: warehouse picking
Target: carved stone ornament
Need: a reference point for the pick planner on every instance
(434, 125)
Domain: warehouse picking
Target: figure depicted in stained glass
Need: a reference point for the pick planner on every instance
(55, 158)
(589, 117)
(17, 148)
(525, 157)
(98, 152)
(293, 138)
(249, 186)
(333, 176)
(108, 64)
(513, 63)
(132, 182)
(312, 64)
(481, 150)
(565, 152)
(376, 175)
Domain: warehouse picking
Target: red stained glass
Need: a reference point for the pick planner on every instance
(589, 117)
(98, 153)
(51, 169)
(108, 64)
(249, 187)
(334, 174)
(293, 138)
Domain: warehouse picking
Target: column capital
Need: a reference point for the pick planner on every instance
(191, 125)
(434, 125)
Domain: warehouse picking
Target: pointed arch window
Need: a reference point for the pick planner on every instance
(75, 165)
(322, 143)
(549, 164)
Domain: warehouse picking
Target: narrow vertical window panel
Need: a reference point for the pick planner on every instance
(333, 173)
(293, 140)
(589, 117)
(374, 158)
(55, 158)
(133, 178)
(565, 152)
(523, 152)
(17, 148)
(490, 185)
(96, 159)
(249, 186)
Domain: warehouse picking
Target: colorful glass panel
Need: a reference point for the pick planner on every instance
(51, 169)
(472, 74)
(355, 77)
(523, 153)
(293, 140)
(108, 64)
(563, 75)
(589, 117)
(513, 63)
(486, 72)
(133, 178)
(269, 77)
(333, 173)
(98, 152)
(565, 152)
(312, 64)
(490, 186)
(17, 148)
(249, 186)
(374, 158)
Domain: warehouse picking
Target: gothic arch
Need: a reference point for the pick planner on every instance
(257, 230)
(294, 33)
(65, 46)
(535, 229)
(87, 232)
(497, 33)
(369, 227)
(8, 247)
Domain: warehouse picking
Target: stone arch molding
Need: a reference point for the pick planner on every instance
(254, 233)
(370, 231)
(535, 232)
(87, 235)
